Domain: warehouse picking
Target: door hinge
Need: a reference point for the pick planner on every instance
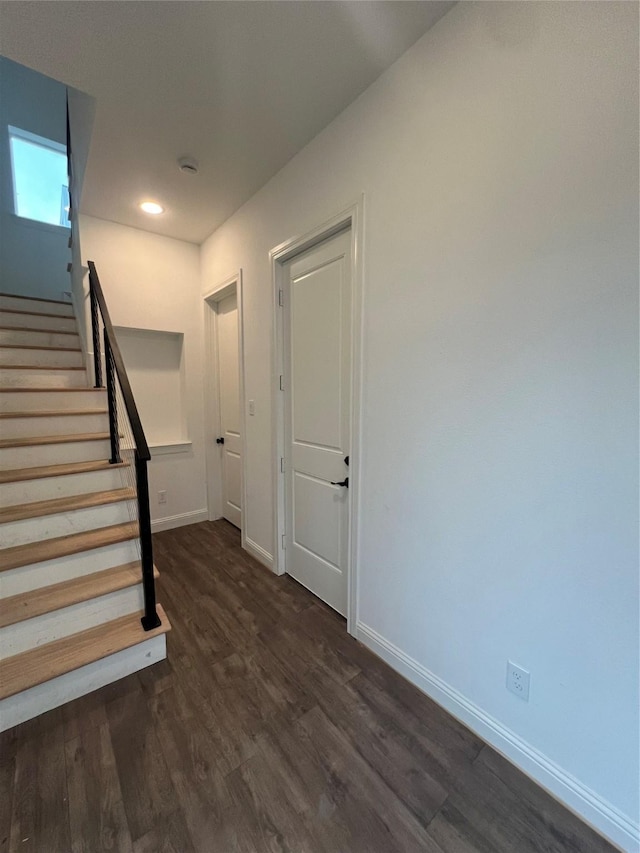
(282, 464)
(281, 382)
(283, 539)
(281, 298)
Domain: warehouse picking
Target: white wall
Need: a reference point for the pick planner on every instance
(152, 282)
(498, 159)
(81, 117)
(33, 255)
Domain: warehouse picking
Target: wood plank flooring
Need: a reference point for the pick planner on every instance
(267, 730)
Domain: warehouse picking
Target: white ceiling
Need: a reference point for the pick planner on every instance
(240, 86)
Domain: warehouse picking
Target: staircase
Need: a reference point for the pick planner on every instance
(71, 597)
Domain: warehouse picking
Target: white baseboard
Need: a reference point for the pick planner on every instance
(180, 520)
(258, 552)
(43, 697)
(589, 806)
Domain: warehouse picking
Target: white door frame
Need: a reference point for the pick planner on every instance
(352, 217)
(230, 285)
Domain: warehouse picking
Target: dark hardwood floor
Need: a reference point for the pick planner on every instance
(268, 729)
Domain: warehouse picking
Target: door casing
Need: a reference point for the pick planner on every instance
(231, 285)
(352, 218)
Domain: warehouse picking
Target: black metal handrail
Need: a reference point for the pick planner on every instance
(116, 371)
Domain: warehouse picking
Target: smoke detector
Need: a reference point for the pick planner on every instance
(188, 165)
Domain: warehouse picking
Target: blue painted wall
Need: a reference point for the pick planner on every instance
(33, 255)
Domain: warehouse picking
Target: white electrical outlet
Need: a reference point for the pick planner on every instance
(162, 496)
(518, 680)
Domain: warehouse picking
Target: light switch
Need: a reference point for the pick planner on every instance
(252, 407)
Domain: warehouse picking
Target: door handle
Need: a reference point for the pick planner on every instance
(344, 483)
(220, 440)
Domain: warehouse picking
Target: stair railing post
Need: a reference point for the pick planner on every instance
(114, 432)
(95, 331)
(150, 619)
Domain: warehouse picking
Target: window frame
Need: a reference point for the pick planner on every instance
(43, 142)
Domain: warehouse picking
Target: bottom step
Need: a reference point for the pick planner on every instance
(44, 697)
(43, 663)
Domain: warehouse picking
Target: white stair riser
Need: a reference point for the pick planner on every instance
(49, 627)
(33, 401)
(44, 697)
(61, 425)
(48, 488)
(37, 575)
(42, 357)
(53, 454)
(16, 303)
(37, 339)
(36, 321)
(65, 523)
(43, 378)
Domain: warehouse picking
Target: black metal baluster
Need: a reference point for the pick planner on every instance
(95, 328)
(114, 433)
(150, 619)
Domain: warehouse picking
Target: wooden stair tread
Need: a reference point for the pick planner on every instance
(35, 602)
(32, 440)
(51, 413)
(25, 389)
(43, 471)
(36, 313)
(19, 512)
(36, 298)
(32, 329)
(28, 346)
(51, 660)
(39, 367)
(65, 546)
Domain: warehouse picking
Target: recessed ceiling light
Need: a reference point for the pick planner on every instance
(151, 207)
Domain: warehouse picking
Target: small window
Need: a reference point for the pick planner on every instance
(40, 183)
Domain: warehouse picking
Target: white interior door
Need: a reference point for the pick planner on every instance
(317, 387)
(229, 385)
